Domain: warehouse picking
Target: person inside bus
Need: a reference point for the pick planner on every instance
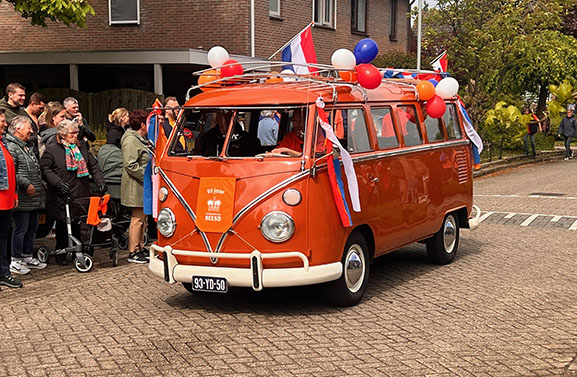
(242, 144)
(292, 143)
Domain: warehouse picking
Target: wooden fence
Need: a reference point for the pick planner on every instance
(96, 106)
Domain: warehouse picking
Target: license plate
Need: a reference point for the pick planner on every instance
(42, 219)
(209, 284)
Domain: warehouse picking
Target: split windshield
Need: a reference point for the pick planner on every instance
(253, 132)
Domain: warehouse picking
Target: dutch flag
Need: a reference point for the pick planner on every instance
(301, 49)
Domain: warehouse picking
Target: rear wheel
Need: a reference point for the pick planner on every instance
(87, 264)
(123, 242)
(442, 247)
(351, 286)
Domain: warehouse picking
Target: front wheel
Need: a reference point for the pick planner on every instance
(42, 254)
(87, 264)
(351, 286)
(442, 247)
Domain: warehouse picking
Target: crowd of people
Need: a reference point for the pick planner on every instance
(46, 162)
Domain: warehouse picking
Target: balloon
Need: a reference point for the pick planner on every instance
(435, 107)
(208, 76)
(288, 72)
(426, 90)
(447, 88)
(349, 76)
(217, 56)
(366, 51)
(368, 75)
(433, 81)
(343, 59)
(233, 70)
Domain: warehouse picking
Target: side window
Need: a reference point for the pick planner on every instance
(384, 127)
(452, 122)
(354, 130)
(409, 125)
(434, 129)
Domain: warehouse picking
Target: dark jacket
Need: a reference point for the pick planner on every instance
(242, 144)
(114, 134)
(27, 172)
(53, 165)
(11, 111)
(110, 162)
(46, 137)
(568, 127)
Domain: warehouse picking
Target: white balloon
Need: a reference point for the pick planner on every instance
(288, 72)
(343, 59)
(217, 56)
(447, 88)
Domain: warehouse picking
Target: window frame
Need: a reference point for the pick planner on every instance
(458, 120)
(322, 22)
(393, 7)
(355, 17)
(125, 22)
(394, 124)
(272, 13)
(441, 122)
(419, 124)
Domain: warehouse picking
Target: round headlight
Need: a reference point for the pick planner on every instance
(277, 226)
(162, 194)
(292, 197)
(166, 223)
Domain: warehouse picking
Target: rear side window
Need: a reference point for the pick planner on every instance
(384, 127)
(409, 125)
(434, 129)
(452, 122)
(350, 126)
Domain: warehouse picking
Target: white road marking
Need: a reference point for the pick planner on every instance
(573, 226)
(484, 217)
(509, 215)
(530, 219)
(556, 218)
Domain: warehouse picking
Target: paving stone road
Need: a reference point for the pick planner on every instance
(507, 306)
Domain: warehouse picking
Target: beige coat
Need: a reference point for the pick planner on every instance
(135, 156)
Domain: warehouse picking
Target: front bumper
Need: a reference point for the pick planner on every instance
(256, 276)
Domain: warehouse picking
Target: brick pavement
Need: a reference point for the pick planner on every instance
(503, 308)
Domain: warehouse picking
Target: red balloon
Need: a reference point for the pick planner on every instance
(233, 70)
(435, 107)
(368, 76)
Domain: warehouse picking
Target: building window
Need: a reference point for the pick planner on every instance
(124, 12)
(359, 16)
(324, 13)
(393, 20)
(274, 8)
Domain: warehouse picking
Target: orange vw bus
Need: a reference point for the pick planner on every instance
(246, 197)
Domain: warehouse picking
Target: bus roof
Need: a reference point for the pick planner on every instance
(304, 91)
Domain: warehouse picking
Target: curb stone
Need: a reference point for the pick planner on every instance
(512, 162)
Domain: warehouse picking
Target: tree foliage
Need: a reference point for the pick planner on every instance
(507, 48)
(505, 124)
(399, 60)
(69, 12)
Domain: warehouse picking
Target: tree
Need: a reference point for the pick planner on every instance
(504, 124)
(69, 12)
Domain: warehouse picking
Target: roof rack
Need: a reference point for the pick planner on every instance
(326, 77)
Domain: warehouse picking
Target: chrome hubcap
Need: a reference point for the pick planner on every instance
(449, 234)
(354, 268)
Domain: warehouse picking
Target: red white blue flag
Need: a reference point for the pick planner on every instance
(472, 135)
(151, 182)
(440, 63)
(301, 50)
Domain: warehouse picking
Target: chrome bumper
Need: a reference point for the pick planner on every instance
(474, 221)
(256, 276)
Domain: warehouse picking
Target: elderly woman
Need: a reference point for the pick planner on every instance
(31, 195)
(116, 128)
(8, 200)
(66, 166)
(135, 156)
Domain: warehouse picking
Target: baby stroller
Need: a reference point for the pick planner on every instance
(91, 236)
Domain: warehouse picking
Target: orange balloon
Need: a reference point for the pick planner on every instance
(209, 76)
(426, 90)
(274, 79)
(349, 76)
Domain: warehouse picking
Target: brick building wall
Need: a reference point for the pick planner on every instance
(184, 24)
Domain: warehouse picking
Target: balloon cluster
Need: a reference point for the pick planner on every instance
(356, 66)
(218, 57)
(435, 93)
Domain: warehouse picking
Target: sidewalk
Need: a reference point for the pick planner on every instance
(513, 162)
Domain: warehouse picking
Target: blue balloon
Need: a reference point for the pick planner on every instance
(434, 82)
(366, 51)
